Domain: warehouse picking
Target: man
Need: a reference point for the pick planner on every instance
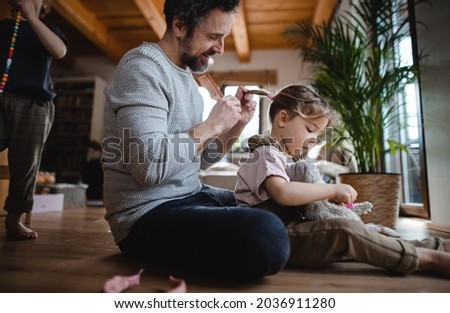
(155, 144)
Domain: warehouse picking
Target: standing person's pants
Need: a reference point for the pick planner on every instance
(24, 128)
(320, 243)
(207, 232)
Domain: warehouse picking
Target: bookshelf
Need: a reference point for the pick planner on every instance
(78, 119)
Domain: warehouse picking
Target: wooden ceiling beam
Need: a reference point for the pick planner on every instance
(153, 16)
(88, 24)
(324, 11)
(322, 15)
(240, 35)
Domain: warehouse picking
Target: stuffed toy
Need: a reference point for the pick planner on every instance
(308, 172)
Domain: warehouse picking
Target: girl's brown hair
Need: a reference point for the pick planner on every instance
(301, 100)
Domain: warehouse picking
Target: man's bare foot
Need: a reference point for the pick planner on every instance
(16, 230)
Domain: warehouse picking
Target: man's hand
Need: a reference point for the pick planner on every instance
(225, 114)
(248, 105)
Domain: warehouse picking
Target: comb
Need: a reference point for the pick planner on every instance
(207, 82)
(261, 92)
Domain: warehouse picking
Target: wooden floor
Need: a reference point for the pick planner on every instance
(75, 253)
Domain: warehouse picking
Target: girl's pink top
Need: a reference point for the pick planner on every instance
(263, 162)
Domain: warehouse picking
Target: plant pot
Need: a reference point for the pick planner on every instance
(382, 190)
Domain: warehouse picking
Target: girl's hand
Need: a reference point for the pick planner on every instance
(344, 194)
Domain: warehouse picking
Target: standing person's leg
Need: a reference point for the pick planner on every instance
(323, 242)
(199, 233)
(30, 124)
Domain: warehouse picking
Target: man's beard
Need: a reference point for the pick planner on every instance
(191, 61)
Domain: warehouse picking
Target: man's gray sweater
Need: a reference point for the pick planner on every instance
(148, 156)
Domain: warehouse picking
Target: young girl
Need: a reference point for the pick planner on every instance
(298, 115)
(26, 107)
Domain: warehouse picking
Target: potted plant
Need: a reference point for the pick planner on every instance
(361, 76)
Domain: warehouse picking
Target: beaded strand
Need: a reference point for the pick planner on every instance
(11, 50)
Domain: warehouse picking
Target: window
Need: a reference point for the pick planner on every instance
(254, 127)
(410, 163)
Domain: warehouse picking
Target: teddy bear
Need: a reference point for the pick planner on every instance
(307, 172)
(323, 209)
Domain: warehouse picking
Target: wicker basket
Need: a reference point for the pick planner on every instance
(74, 195)
(382, 190)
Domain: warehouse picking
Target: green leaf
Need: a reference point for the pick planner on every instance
(359, 73)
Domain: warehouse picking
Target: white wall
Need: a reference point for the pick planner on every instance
(98, 66)
(434, 41)
(287, 63)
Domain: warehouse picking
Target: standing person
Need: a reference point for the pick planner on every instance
(156, 142)
(26, 107)
(298, 115)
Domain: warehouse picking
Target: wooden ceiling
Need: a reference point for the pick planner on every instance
(112, 27)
